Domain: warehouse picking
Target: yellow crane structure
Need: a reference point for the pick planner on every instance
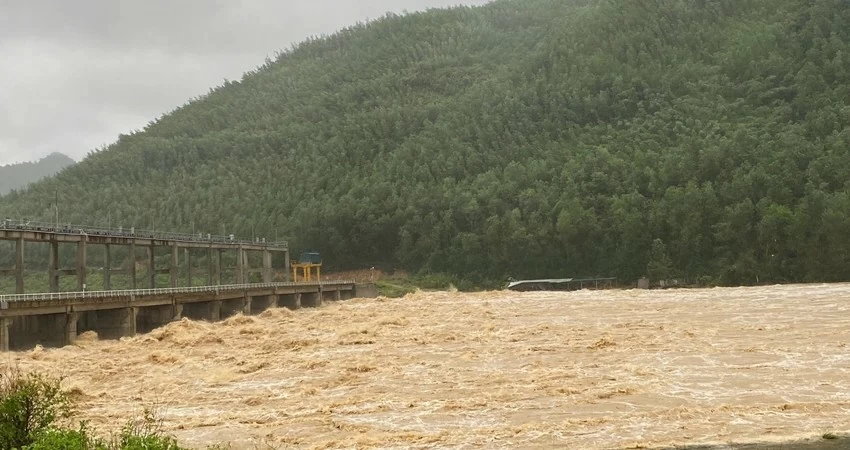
(306, 263)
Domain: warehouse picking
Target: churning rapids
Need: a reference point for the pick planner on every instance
(602, 369)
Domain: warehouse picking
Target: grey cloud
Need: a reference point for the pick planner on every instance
(75, 74)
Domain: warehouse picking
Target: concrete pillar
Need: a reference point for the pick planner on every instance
(246, 267)
(337, 296)
(210, 266)
(217, 268)
(240, 266)
(246, 306)
(178, 312)
(132, 259)
(267, 266)
(71, 320)
(152, 266)
(53, 266)
(287, 270)
(128, 324)
(107, 269)
(5, 325)
(215, 311)
(81, 265)
(175, 265)
(19, 266)
(187, 260)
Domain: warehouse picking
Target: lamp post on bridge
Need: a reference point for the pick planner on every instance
(56, 207)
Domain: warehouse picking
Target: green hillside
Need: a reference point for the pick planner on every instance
(697, 139)
(18, 176)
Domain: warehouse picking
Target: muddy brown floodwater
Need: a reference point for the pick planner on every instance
(604, 369)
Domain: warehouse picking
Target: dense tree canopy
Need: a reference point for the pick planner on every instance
(693, 138)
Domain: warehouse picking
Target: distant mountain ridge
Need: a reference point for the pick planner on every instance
(17, 176)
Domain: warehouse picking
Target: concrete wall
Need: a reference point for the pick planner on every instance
(150, 318)
(262, 303)
(209, 311)
(235, 306)
(367, 290)
(311, 299)
(291, 301)
(28, 331)
(107, 323)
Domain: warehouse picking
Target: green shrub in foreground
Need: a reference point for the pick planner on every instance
(82, 439)
(67, 439)
(30, 404)
(34, 408)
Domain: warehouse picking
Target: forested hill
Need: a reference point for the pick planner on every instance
(17, 176)
(683, 138)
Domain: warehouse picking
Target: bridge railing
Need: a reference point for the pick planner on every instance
(51, 296)
(77, 230)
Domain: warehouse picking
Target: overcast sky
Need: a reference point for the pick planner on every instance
(76, 73)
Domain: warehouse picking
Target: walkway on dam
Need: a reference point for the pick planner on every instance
(56, 319)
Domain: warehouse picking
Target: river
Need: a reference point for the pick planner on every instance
(589, 370)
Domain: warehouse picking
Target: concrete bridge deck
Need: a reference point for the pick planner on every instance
(56, 319)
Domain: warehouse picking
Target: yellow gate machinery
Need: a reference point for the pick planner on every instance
(307, 262)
